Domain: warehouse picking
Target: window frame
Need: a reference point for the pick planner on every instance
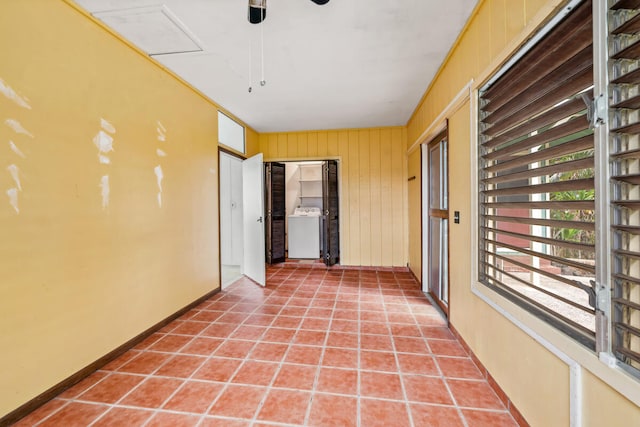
(601, 362)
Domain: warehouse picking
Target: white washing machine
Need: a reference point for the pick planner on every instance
(304, 233)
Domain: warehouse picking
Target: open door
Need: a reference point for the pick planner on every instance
(276, 212)
(253, 203)
(330, 211)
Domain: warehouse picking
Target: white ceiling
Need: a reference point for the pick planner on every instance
(347, 64)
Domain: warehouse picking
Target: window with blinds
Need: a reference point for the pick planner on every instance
(624, 143)
(536, 174)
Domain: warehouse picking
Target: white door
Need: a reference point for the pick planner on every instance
(253, 204)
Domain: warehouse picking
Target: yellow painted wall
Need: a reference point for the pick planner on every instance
(536, 380)
(373, 187)
(76, 279)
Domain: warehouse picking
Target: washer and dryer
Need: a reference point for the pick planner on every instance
(304, 233)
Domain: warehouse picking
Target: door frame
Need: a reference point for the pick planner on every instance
(320, 159)
(425, 246)
(243, 158)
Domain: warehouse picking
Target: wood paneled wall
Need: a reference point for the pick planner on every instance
(373, 226)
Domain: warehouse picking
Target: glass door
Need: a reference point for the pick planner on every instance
(436, 264)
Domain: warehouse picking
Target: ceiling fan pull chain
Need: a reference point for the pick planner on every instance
(262, 80)
(250, 64)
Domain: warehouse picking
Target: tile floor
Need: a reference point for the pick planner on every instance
(316, 347)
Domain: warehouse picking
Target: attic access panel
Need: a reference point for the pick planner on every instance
(154, 29)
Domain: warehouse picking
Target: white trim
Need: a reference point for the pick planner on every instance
(440, 122)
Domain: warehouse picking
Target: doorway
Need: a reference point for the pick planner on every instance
(435, 220)
(242, 240)
(302, 211)
(231, 219)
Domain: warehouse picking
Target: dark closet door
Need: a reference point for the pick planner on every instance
(276, 212)
(330, 207)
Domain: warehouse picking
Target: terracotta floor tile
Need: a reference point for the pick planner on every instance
(234, 348)
(117, 417)
(280, 335)
(152, 393)
(181, 366)
(310, 337)
(112, 388)
(223, 422)
(430, 320)
(217, 369)
(194, 397)
(207, 316)
(299, 377)
(376, 384)
(378, 361)
(313, 323)
(145, 363)
(375, 328)
(190, 328)
(373, 316)
(219, 330)
(410, 345)
(244, 307)
(202, 345)
(417, 364)
(340, 358)
(446, 348)
(83, 385)
(248, 332)
(398, 330)
(338, 325)
(167, 419)
(120, 361)
(474, 394)
(75, 414)
(41, 413)
(335, 380)
(269, 352)
(488, 419)
(260, 319)
(406, 318)
(340, 339)
(292, 312)
(454, 367)
(285, 406)
(376, 342)
(435, 416)
(289, 322)
(321, 313)
(333, 411)
(426, 390)
(323, 303)
(238, 401)
(346, 314)
(235, 318)
(308, 355)
(383, 413)
(255, 373)
(437, 332)
(170, 343)
(148, 341)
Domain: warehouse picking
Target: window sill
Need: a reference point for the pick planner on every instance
(562, 346)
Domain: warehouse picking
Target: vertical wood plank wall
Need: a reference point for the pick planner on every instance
(373, 187)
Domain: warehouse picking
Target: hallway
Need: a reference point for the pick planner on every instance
(316, 347)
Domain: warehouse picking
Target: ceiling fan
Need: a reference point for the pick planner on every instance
(258, 10)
